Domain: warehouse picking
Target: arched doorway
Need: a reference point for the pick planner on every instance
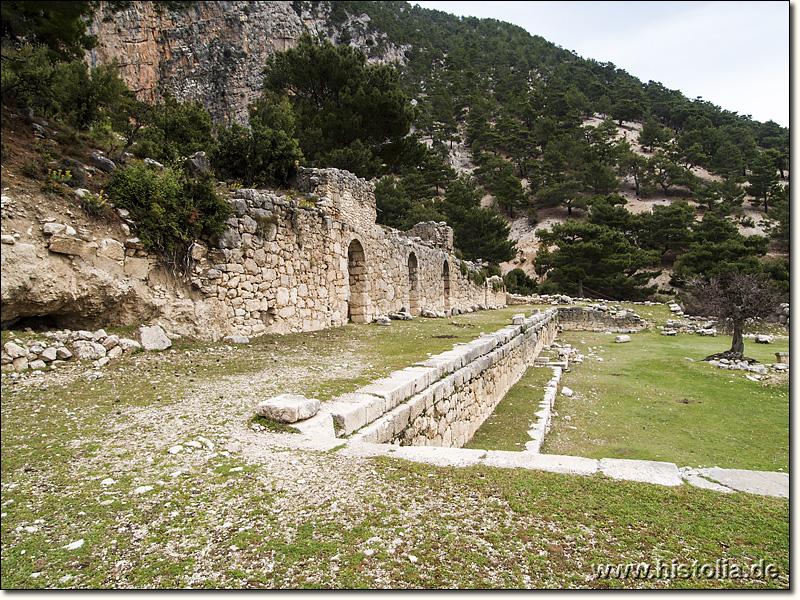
(357, 274)
(413, 285)
(446, 281)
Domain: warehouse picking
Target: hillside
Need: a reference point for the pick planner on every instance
(497, 132)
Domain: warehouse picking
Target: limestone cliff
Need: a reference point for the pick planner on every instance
(211, 51)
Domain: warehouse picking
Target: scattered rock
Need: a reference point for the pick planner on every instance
(73, 545)
(233, 447)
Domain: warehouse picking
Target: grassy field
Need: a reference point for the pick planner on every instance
(92, 497)
(647, 401)
(507, 427)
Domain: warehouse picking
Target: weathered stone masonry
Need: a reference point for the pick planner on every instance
(319, 259)
(445, 399)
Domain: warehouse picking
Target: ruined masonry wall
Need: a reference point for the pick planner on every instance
(318, 259)
(590, 318)
(444, 400)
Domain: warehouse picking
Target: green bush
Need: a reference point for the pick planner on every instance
(170, 211)
(267, 153)
(518, 282)
(65, 91)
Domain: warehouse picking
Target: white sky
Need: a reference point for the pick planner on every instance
(735, 54)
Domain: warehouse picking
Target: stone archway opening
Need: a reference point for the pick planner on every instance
(358, 297)
(413, 285)
(446, 282)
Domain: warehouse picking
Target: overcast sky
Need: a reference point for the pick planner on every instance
(734, 54)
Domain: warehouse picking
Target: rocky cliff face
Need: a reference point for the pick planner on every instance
(210, 51)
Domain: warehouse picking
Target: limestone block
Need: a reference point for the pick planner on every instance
(110, 341)
(14, 350)
(63, 353)
(86, 350)
(53, 228)
(63, 244)
(111, 249)
(288, 408)
(137, 268)
(49, 354)
(153, 338)
(621, 339)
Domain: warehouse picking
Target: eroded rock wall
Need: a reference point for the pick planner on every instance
(214, 51)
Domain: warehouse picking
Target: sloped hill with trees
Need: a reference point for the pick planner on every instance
(480, 124)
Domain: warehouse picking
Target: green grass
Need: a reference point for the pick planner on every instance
(646, 401)
(507, 427)
(468, 528)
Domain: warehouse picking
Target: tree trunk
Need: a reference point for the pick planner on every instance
(580, 288)
(737, 345)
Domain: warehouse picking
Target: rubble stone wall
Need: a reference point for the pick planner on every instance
(318, 259)
(590, 318)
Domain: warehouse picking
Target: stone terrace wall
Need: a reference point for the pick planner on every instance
(592, 318)
(318, 260)
(444, 400)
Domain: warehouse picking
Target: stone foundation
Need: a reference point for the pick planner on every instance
(592, 318)
(445, 399)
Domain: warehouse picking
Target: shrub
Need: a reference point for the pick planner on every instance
(170, 211)
(518, 282)
(95, 205)
(32, 168)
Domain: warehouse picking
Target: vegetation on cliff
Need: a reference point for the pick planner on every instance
(542, 127)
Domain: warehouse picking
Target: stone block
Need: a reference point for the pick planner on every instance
(647, 471)
(137, 268)
(400, 385)
(86, 350)
(62, 244)
(288, 408)
(153, 338)
(111, 249)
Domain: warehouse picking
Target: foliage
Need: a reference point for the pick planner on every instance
(583, 257)
(519, 282)
(348, 112)
(170, 210)
(66, 91)
(718, 248)
(95, 205)
(58, 26)
(736, 300)
(175, 129)
(267, 152)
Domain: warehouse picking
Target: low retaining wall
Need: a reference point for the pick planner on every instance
(592, 318)
(445, 399)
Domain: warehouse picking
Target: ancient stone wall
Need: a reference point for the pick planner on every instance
(593, 318)
(317, 259)
(445, 399)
